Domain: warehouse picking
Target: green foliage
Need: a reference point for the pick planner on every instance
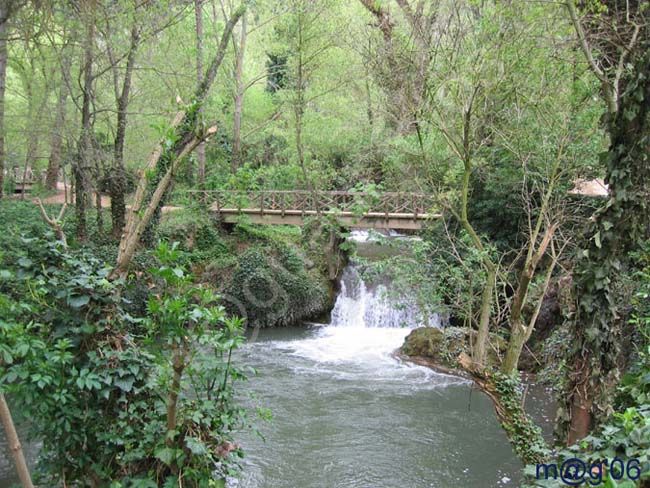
(524, 435)
(198, 237)
(270, 286)
(625, 437)
(625, 434)
(619, 228)
(89, 375)
(186, 319)
(20, 218)
(634, 389)
(449, 272)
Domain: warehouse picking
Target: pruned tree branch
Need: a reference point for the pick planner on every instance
(56, 223)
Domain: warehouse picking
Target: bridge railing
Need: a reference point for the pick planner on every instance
(389, 204)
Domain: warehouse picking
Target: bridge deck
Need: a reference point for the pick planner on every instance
(355, 209)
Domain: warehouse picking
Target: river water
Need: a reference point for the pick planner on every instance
(348, 414)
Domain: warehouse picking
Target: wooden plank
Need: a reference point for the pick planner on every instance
(366, 223)
(371, 215)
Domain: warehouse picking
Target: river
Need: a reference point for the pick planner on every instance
(348, 414)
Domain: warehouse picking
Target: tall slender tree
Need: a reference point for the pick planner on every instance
(84, 161)
(117, 186)
(56, 135)
(188, 133)
(200, 151)
(8, 8)
(238, 95)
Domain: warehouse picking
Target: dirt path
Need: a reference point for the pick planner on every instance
(60, 198)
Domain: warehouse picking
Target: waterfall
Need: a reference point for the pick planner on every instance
(369, 321)
(361, 304)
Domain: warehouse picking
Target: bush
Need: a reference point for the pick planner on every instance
(97, 382)
(626, 434)
(270, 287)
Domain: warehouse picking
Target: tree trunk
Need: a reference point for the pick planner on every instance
(188, 138)
(519, 331)
(4, 32)
(581, 403)
(239, 99)
(299, 104)
(525, 437)
(480, 351)
(178, 366)
(35, 113)
(14, 444)
(118, 177)
(4, 14)
(85, 157)
(56, 139)
(518, 337)
(200, 152)
(32, 137)
(618, 228)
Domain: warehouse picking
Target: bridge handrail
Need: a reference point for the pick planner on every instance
(387, 203)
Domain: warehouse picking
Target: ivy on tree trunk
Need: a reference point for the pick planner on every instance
(618, 228)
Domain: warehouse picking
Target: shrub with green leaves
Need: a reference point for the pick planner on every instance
(271, 287)
(98, 383)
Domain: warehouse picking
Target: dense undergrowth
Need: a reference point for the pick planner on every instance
(270, 275)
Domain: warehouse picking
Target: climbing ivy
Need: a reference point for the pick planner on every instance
(618, 228)
(524, 434)
(173, 140)
(270, 286)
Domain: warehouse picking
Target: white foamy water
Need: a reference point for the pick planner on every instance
(361, 305)
(367, 327)
(364, 236)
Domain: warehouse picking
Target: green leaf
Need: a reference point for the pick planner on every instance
(125, 384)
(196, 446)
(78, 301)
(6, 356)
(166, 455)
(171, 482)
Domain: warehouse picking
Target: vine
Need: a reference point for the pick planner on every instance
(618, 229)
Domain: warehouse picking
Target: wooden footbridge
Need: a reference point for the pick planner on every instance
(388, 210)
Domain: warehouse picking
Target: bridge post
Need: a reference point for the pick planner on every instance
(415, 208)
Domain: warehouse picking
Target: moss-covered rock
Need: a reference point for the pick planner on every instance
(272, 287)
(444, 346)
(424, 341)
